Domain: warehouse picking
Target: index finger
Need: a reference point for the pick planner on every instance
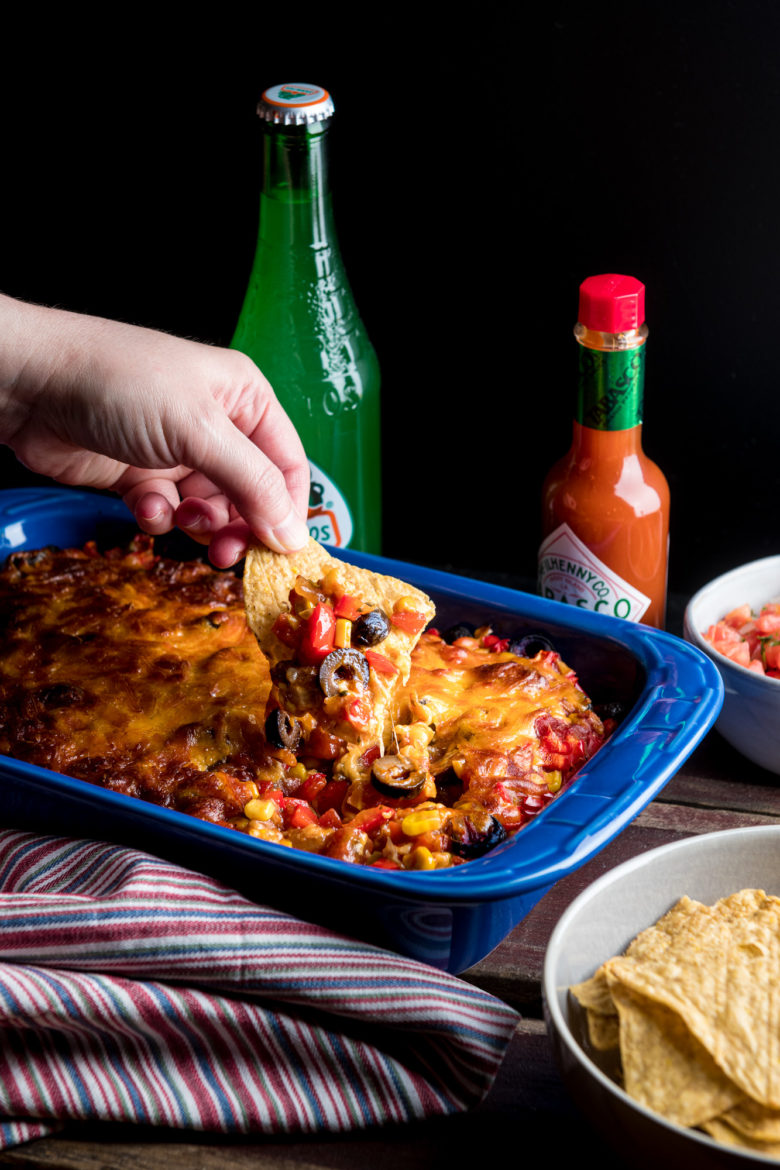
(254, 478)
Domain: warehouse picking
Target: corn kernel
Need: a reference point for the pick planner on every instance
(421, 858)
(299, 772)
(406, 604)
(343, 635)
(260, 810)
(554, 781)
(424, 820)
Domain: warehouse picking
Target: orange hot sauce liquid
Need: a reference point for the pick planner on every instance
(614, 499)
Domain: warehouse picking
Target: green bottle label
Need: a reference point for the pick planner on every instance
(611, 388)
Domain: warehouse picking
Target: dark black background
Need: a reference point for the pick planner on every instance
(483, 165)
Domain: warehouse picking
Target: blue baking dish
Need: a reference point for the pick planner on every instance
(449, 918)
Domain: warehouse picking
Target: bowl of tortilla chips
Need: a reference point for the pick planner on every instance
(661, 987)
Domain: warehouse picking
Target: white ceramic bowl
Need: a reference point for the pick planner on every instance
(600, 923)
(750, 717)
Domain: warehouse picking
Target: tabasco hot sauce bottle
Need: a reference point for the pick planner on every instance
(605, 505)
(299, 322)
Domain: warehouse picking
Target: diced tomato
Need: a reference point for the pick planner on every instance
(324, 746)
(312, 786)
(380, 663)
(317, 635)
(767, 623)
(332, 795)
(496, 644)
(749, 640)
(347, 607)
(722, 632)
(533, 805)
(330, 820)
(368, 757)
(370, 819)
(408, 620)
(737, 652)
(359, 711)
(772, 655)
(287, 629)
(737, 617)
(511, 817)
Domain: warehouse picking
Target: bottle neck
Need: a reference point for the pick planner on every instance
(295, 190)
(610, 389)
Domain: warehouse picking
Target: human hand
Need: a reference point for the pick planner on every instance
(187, 434)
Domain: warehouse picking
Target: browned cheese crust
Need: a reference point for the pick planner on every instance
(134, 672)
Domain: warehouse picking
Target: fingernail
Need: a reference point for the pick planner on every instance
(149, 517)
(291, 535)
(191, 521)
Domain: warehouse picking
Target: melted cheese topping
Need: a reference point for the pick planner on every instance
(140, 674)
(135, 672)
(480, 701)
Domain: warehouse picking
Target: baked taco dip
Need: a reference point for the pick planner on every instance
(311, 705)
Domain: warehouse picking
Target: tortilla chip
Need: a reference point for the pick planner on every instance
(268, 579)
(664, 1066)
(721, 974)
(595, 997)
(754, 1121)
(720, 1129)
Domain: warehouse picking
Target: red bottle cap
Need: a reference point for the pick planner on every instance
(612, 303)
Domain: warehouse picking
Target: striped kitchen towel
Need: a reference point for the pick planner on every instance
(134, 990)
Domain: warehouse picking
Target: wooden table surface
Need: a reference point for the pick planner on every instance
(715, 789)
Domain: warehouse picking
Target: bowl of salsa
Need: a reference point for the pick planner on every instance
(735, 619)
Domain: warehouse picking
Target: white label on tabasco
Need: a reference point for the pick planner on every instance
(570, 572)
(329, 519)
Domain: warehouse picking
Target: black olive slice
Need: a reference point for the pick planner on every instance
(461, 630)
(529, 645)
(394, 776)
(342, 667)
(282, 731)
(472, 835)
(611, 710)
(370, 628)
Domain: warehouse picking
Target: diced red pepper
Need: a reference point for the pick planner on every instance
(347, 607)
(408, 620)
(380, 663)
(330, 820)
(385, 863)
(317, 635)
(297, 813)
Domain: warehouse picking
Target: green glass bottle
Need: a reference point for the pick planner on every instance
(299, 322)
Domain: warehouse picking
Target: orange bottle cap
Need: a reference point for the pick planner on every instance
(612, 303)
